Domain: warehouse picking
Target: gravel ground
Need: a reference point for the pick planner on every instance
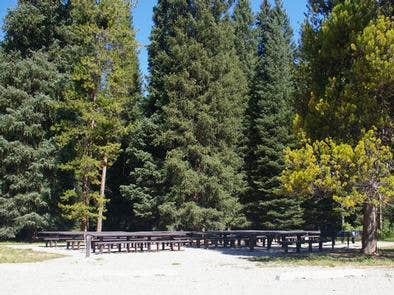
(192, 271)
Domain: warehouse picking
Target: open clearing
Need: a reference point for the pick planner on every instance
(192, 271)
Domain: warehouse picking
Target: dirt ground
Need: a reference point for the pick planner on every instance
(191, 271)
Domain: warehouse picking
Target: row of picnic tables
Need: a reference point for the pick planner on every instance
(228, 238)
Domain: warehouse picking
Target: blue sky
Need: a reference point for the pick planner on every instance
(143, 20)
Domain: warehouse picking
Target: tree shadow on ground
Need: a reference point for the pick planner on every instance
(335, 257)
(327, 257)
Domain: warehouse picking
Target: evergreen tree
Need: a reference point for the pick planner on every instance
(105, 81)
(336, 94)
(325, 105)
(29, 83)
(27, 87)
(35, 25)
(197, 97)
(346, 84)
(352, 176)
(144, 191)
(245, 37)
(270, 123)
(203, 121)
(145, 154)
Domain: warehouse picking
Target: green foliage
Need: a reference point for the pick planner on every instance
(270, 130)
(351, 176)
(344, 76)
(27, 87)
(145, 182)
(29, 83)
(196, 105)
(34, 25)
(180, 156)
(104, 82)
(336, 93)
(245, 37)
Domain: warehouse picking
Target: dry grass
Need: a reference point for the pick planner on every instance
(12, 255)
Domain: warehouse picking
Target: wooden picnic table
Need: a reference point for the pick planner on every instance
(252, 235)
(90, 237)
(226, 237)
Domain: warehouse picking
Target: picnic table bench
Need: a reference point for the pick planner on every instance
(298, 240)
(162, 240)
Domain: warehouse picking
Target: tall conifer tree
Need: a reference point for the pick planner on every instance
(29, 83)
(245, 37)
(197, 98)
(345, 84)
(270, 122)
(105, 81)
(325, 104)
(145, 153)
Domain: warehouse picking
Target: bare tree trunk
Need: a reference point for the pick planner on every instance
(342, 220)
(380, 216)
(370, 229)
(85, 194)
(102, 195)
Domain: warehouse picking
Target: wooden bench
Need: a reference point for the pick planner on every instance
(49, 241)
(137, 244)
(286, 241)
(309, 239)
(73, 243)
(110, 244)
(215, 240)
(171, 243)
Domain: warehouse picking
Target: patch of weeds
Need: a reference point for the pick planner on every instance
(11, 255)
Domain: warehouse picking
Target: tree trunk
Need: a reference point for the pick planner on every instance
(380, 217)
(85, 193)
(370, 229)
(102, 195)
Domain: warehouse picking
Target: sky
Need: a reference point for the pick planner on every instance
(143, 21)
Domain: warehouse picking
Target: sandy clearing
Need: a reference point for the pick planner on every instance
(192, 271)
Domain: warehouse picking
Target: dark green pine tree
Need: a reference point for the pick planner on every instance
(29, 82)
(245, 37)
(196, 106)
(202, 121)
(270, 130)
(144, 154)
(35, 25)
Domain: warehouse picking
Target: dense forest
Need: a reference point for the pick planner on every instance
(237, 125)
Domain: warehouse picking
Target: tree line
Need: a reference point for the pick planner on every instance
(237, 127)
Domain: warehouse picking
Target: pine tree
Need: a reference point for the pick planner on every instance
(325, 106)
(29, 83)
(35, 25)
(144, 153)
(144, 189)
(27, 87)
(245, 37)
(346, 86)
(270, 129)
(105, 81)
(197, 97)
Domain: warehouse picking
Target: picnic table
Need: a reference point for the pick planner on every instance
(235, 237)
(145, 239)
(93, 240)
